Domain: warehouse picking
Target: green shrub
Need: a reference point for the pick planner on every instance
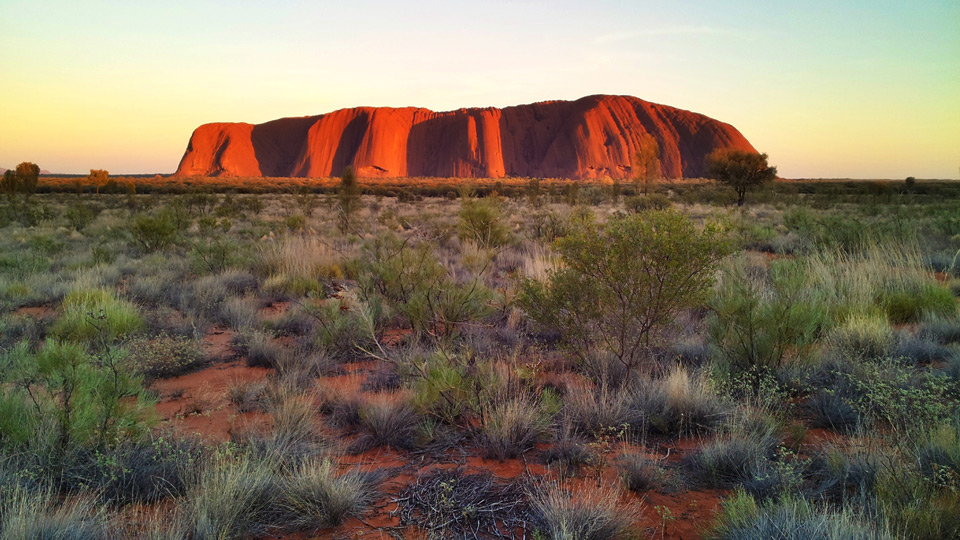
(481, 221)
(549, 226)
(153, 233)
(165, 356)
(640, 203)
(234, 497)
(510, 427)
(214, 254)
(411, 281)
(74, 398)
(901, 397)
(917, 506)
(757, 324)
(344, 329)
(623, 283)
(315, 496)
(96, 313)
(909, 306)
(79, 215)
(791, 519)
(640, 473)
(30, 514)
(586, 513)
(679, 404)
(295, 222)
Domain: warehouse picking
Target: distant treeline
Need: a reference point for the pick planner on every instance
(688, 190)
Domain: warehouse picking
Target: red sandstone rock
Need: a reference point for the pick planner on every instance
(592, 137)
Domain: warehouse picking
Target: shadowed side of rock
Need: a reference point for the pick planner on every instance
(592, 137)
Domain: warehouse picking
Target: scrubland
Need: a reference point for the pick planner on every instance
(523, 360)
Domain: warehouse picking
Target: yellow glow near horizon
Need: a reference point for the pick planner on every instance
(848, 89)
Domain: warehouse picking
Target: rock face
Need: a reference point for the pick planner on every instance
(592, 137)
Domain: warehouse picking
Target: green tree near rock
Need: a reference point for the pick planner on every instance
(740, 170)
(646, 163)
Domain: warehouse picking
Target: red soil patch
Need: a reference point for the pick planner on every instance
(197, 403)
(218, 343)
(681, 516)
(817, 437)
(275, 311)
(394, 337)
(37, 312)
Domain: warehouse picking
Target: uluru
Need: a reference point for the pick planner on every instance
(589, 138)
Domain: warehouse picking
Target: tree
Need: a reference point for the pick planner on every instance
(740, 170)
(646, 163)
(28, 174)
(9, 183)
(98, 177)
(348, 198)
(623, 283)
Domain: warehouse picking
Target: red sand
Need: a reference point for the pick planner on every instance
(683, 515)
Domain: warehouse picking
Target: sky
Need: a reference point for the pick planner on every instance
(829, 89)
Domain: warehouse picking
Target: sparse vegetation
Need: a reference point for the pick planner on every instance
(519, 345)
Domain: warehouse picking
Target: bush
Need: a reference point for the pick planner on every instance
(240, 314)
(640, 203)
(831, 409)
(260, 348)
(96, 313)
(510, 427)
(920, 351)
(679, 404)
(734, 458)
(412, 282)
(165, 356)
(343, 328)
(623, 283)
(863, 336)
(234, 497)
(568, 455)
(588, 513)
(909, 306)
(640, 473)
(387, 422)
(134, 473)
(846, 473)
(943, 331)
(481, 221)
(791, 519)
(757, 324)
(901, 397)
(315, 496)
(592, 411)
(79, 215)
(75, 399)
(40, 514)
(153, 233)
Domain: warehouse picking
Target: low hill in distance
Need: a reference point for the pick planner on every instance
(590, 138)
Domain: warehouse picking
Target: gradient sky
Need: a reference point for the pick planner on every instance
(858, 88)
